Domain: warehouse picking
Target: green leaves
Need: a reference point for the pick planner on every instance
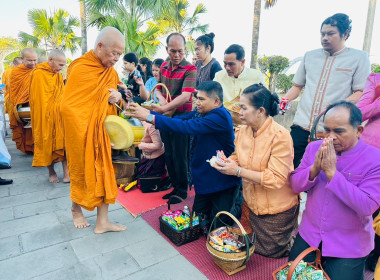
(144, 22)
(49, 32)
(271, 66)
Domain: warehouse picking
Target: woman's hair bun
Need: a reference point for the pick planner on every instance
(274, 108)
(211, 35)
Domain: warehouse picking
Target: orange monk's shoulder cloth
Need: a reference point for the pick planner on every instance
(84, 108)
(46, 91)
(19, 80)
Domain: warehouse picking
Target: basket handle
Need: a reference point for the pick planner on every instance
(168, 95)
(191, 210)
(313, 131)
(239, 225)
(306, 252)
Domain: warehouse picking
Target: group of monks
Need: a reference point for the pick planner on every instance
(67, 121)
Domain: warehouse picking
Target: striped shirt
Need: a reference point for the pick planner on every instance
(179, 80)
(328, 79)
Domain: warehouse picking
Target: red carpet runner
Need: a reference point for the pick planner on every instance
(258, 267)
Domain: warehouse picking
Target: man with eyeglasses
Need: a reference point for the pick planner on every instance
(179, 76)
(236, 77)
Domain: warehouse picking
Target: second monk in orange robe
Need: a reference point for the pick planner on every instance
(87, 100)
(5, 80)
(19, 95)
(46, 91)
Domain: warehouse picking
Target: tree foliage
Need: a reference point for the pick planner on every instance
(8, 45)
(375, 68)
(51, 31)
(145, 22)
(272, 66)
(129, 17)
(177, 18)
(284, 82)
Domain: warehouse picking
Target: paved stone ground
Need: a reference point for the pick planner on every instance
(39, 241)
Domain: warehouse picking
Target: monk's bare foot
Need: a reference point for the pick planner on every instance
(108, 226)
(66, 178)
(78, 218)
(53, 178)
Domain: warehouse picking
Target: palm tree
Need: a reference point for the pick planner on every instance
(369, 26)
(176, 18)
(129, 17)
(55, 31)
(83, 25)
(256, 28)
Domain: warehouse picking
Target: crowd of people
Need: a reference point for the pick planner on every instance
(262, 169)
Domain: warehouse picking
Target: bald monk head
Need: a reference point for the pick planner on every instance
(109, 46)
(56, 60)
(29, 58)
(17, 61)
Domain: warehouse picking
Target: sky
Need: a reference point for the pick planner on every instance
(289, 29)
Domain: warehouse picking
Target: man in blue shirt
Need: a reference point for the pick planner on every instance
(214, 131)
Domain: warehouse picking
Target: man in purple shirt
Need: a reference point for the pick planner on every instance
(342, 176)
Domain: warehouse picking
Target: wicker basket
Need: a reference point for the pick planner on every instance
(184, 236)
(168, 100)
(231, 263)
(316, 264)
(234, 114)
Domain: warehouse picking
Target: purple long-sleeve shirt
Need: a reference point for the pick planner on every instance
(338, 213)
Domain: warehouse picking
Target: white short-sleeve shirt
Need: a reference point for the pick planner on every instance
(233, 87)
(327, 79)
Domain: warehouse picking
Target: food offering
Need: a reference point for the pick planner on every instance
(224, 240)
(148, 104)
(178, 219)
(220, 157)
(303, 271)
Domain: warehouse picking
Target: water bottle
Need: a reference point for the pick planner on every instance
(186, 210)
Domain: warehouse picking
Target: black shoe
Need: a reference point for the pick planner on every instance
(165, 187)
(123, 157)
(176, 200)
(5, 181)
(168, 195)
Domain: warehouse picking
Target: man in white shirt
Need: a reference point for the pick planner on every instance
(236, 77)
(327, 75)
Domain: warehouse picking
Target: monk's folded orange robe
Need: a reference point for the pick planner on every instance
(84, 108)
(46, 91)
(19, 94)
(5, 80)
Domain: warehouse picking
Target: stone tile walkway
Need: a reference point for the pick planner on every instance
(39, 241)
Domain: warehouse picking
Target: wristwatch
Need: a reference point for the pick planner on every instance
(150, 118)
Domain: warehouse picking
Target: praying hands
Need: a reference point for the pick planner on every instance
(325, 160)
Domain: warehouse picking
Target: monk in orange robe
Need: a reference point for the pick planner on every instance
(19, 95)
(5, 80)
(46, 91)
(88, 98)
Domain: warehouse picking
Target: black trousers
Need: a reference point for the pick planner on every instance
(300, 141)
(336, 268)
(176, 158)
(208, 205)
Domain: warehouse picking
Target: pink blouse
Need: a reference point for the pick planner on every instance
(369, 104)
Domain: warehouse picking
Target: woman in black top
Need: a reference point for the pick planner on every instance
(206, 65)
(131, 65)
